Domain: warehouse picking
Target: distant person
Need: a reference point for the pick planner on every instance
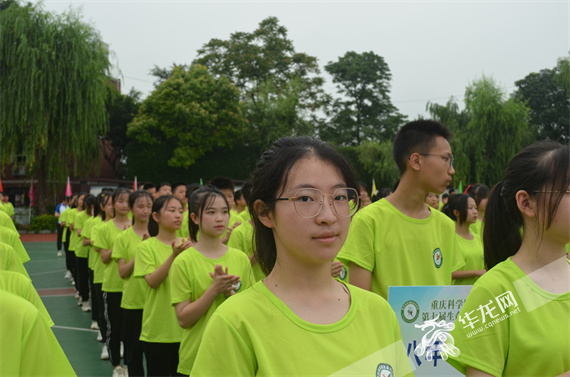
(516, 320)
(58, 211)
(444, 199)
(7, 206)
(399, 240)
(480, 193)
(461, 208)
(432, 200)
(163, 189)
(150, 188)
(364, 197)
(226, 186)
(380, 194)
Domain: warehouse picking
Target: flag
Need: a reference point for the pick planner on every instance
(135, 184)
(374, 189)
(31, 194)
(68, 188)
(1, 188)
(201, 182)
(460, 187)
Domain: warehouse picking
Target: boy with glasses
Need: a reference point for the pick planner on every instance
(399, 240)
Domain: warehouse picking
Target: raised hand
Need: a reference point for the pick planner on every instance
(183, 245)
(222, 282)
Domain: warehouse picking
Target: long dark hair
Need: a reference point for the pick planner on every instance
(89, 204)
(157, 206)
(456, 202)
(542, 170)
(200, 199)
(269, 180)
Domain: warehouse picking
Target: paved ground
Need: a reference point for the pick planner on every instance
(72, 326)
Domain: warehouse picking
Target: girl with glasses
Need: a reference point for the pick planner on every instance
(299, 320)
(515, 321)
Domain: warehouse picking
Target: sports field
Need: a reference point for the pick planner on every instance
(72, 326)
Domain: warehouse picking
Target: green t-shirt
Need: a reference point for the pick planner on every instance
(511, 327)
(234, 218)
(8, 208)
(245, 215)
(21, 286)
(159, 323)
(86, 232)
(400, 250)
(256, 334)
(80, 220)
(9, 260)
(242, 239)
(72, 235)
(184, 231)
(134, 289)
(6, 221)
(472, 252)
(13, 239)
(27, 344)
(105, 239)
(99, 267)
(477, 228)
(64, 217)
(190, 278)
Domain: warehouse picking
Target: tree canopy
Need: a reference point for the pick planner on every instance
(365, 111)
(192, 112)
(53, 88)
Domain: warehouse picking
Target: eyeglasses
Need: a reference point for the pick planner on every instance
(308, 202)
(451, 159)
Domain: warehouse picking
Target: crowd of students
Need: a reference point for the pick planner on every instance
(196, 281)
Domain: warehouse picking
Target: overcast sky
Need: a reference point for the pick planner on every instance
(434, 49)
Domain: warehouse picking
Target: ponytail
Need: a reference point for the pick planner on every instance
(503, 221)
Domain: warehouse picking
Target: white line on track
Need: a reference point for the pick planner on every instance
(73, 328)
(46, 272)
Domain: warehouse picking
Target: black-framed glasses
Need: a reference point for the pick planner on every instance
(309, 202)
(450, 158)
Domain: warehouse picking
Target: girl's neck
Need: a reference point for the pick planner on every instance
(166, 235)
(120, 218)
(480, 215)
(211, 247)
(463, 230)
(140, 227)
(297, 276)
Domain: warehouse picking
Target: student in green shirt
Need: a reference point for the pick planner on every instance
(461, 208)
(226, 186)
(112, 283)
(400, 240)
(82, 253)
(299, 320)
(64, 221)
(160, 332)
(134, 289)
(515, 321)
(208, 273)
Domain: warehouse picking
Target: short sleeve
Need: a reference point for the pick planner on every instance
(100, 239)
(120, 248)
(359, 245)
(238, 358)
(180, 285)
(481, 347)
(457, 257)
(145, 262)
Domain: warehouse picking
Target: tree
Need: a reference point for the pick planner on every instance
(377, 160)
(497, 129)
(187, 115)
(457, 121)
(546, 94)
(122, 109)
(365, 111)
(53, 90)
(266, 68)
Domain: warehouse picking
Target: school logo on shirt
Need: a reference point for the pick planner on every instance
(437, 258)
(384, 370)
(410, 311)
(342, 275)
(237, 286)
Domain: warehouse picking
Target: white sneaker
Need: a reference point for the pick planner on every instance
(59, 254)
(99, 336)
(94, 325)
(105, 353)
(126, 370)
(85, 306)
(67, 275)
(72, 282)
(77, 296)
(122, 350)
(118, 372)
